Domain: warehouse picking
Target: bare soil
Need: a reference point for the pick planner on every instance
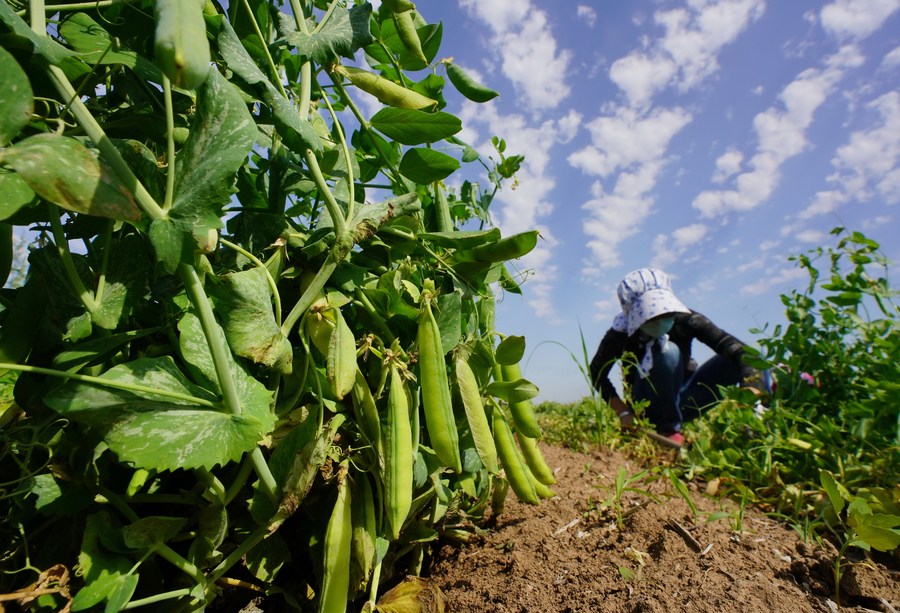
(569, 554)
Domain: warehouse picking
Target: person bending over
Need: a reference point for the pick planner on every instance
(658, 329)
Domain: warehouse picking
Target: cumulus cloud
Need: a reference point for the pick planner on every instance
(773, 279)
(527, 204)
(891, 60)
(668, 249)
(856, 19)
(522, 39)
(686, 54)
(727, 165)
(587, 14)
(781, 134)
(628, 137)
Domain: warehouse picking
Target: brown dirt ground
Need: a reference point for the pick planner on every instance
(568, 555)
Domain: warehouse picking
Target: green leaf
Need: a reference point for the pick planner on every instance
(831, 487)
(126, 282)
(169, 242)
(513, 391)
(510, 350)
(882, 539)
(96, 349)
(413, 127)
(56, 497)
(424, 166)
(461, 239)
(65, 172)
(101, 570)
(244, 302)
(297, 132)
(16, 98)
(14, 194)
(164, 430)
(343, 34)
(372, 215)
(254, 398)
(217, 146)
(151, 531)
(95, 46)
(123, 590)
(44, 46)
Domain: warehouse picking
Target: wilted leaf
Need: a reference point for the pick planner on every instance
(412, 595)
(65, 172)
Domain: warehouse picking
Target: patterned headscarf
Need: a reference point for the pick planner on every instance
(644, 294)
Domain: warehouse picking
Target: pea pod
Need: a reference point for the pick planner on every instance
(180, 44)
(513, 463)
(406, 30)
(399, 6)
(478, 423)
(398, 457)
(535, 459)
(523, 411)
(436, 399)
(338, 535)
(364, 535)
(366, 409)
(508, 248)
(467, 86)
(340, 366)
(499, 491)
(386, 91)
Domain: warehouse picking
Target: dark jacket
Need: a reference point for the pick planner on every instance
(687, 327)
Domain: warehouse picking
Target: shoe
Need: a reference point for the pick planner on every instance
(675, 440)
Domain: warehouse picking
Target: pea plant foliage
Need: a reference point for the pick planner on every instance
(254, 354)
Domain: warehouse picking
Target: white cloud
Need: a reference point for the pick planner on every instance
(727, 165)
(815, 237)
(669, 249)
(856, 19)
(686, 54)
(892, 59)
(626, 138)
(527, 204)
(523, 40)
(773, 279)
(781, 134)
(587, 14)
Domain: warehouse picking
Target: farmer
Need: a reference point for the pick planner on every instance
(658, 329)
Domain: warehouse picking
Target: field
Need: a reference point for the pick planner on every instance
(568, 554)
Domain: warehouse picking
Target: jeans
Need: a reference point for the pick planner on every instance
(672, 400)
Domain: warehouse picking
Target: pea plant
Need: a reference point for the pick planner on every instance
(254, 352)
(833, 409)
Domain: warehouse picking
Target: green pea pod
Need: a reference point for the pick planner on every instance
(364, 535)
(499, 491)
(436, 399)
(523, 411)
(535, 459)
(406, 30)
(386, 91)
(368, 412)
(399, 6)
(512, 461)
(181, 47)
(508, 248)
(338, 537)
(340, 367)
(477, 418)
(398, 458)
(469, 87)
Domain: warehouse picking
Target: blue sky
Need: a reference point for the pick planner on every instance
(709, 138)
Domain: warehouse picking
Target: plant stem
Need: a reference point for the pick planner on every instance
(142, 602)
(337, 254)
(62, 247)
(334, 209)
(170, 145)
(104, 263)
(346, 151)
(259, 264)
(128, 387)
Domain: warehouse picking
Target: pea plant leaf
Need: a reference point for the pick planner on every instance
(165, 429)
(425, 166)
(298, 132)
(216, 148)
(254, 398)
(14, 194)
(510, 350)
(44, 46)
(65, 172)
(413, 127)
(95, 46)
(244, 301)
(126, 281)
(345, 32)
(16, 98)
(513, 391)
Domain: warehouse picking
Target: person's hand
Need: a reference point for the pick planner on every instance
(626, 415)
